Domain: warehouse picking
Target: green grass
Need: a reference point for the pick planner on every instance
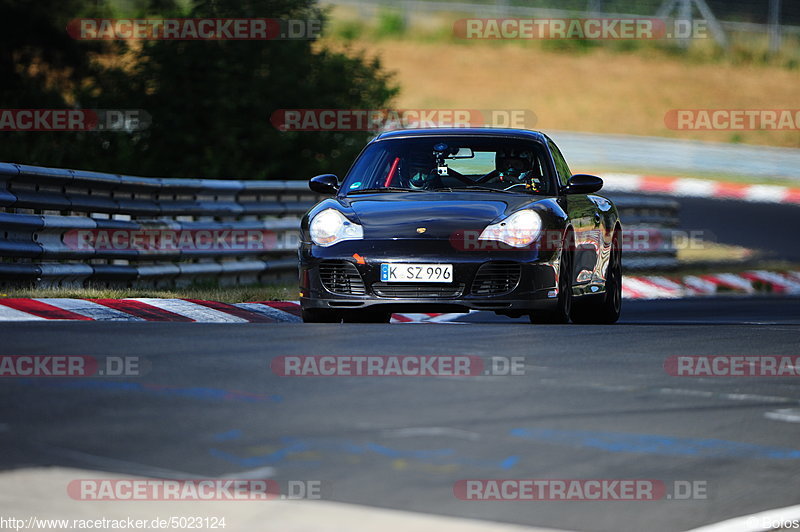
(234, 294)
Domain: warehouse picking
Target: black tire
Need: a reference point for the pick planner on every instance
(367, 316)
(603, 309)
(561, 312)
(315, 315)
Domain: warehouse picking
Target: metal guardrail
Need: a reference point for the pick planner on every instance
(41, 208)
(51, 221)
(648, 226)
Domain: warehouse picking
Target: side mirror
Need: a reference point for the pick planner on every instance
(324, 184)
(583, 184)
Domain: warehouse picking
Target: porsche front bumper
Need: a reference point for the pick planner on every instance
(346, 276)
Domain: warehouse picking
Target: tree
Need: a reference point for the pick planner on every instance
(41, 67)
(211, 101)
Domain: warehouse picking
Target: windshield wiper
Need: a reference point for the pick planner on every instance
(383, 189)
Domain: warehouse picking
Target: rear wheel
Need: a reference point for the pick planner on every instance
(315, 315)
(561, 313)
(603, 308)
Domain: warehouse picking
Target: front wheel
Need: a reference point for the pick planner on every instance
(603, 309)
(561, 313)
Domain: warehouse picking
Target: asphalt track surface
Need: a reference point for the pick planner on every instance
(594, 403)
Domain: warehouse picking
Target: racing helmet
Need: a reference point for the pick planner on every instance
(513, 163)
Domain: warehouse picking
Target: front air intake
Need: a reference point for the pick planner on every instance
(496, 278)
(341, 277)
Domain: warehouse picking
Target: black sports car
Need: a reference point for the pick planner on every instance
(445, 220)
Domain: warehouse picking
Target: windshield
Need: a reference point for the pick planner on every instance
(451, 163)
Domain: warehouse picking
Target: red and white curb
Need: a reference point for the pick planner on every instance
(700, 188)
(744, 283)
(199, 311)
(432, 317)
(172, 310)
(147, 309)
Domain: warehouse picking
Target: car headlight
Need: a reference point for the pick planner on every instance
(331, 226)
(518, 230)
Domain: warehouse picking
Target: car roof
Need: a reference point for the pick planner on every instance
(466, 131)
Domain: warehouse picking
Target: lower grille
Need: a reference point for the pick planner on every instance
(496, 278)
(418, 290)
(341, 277)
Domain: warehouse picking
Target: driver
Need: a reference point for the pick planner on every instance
(513, 165)
(516, 167)
(420, 170)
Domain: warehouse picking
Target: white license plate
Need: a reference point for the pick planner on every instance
(417, 273)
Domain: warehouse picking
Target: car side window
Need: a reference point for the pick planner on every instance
(561, 165)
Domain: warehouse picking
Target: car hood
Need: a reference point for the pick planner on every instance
(403, 215)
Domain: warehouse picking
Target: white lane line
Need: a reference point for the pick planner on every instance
(12, 314)
(253, 474)
(690, 393)
(756, 397)
(411, 432)
(729, 396)
(789, 415)
(270, 312)
(758, 522)
(90, 309)
(198, 313)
